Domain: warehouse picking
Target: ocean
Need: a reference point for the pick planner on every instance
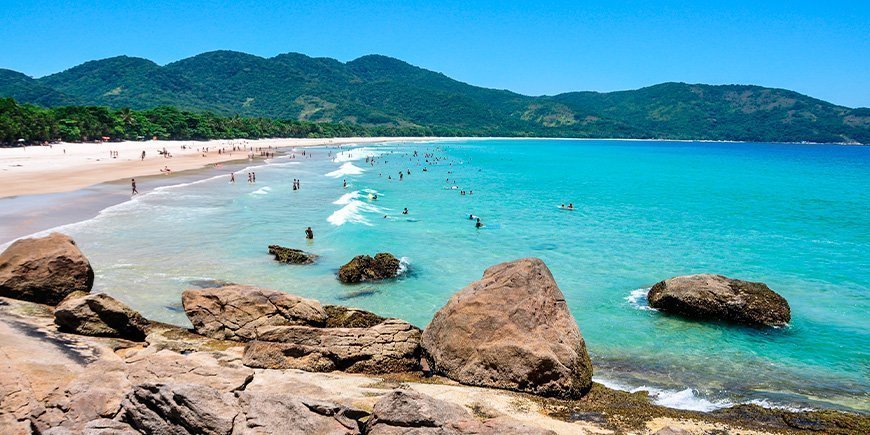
(794, 216)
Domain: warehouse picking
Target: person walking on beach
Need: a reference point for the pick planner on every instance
(133, 182)
(143, 155)
(309, 233)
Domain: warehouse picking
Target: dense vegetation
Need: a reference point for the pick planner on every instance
(384, 93)
(35, 124)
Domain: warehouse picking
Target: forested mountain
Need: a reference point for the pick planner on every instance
(385, 92)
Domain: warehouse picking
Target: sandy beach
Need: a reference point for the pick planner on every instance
(66, 167)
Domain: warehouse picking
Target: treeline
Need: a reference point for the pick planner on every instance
(22, 124)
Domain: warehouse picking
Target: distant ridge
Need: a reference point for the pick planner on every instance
(377, 90)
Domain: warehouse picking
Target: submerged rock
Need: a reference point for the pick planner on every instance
(715, 297)
(291, 256)
(389, 347)
(512, 330)
(100, 315)
(403, 412)
(44, 270)
(366, 268)
(239, 312)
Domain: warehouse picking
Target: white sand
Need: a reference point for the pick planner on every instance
(66, 167)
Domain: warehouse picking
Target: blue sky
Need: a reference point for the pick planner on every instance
(820, 48)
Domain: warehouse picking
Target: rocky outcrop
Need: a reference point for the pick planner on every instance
(715, 297)
(388, 347)
(44, 269)
(100, 315)
(192, 408)
(240, 312)
(291, 256)
(404, 412)
(512, 330)
(366, 268)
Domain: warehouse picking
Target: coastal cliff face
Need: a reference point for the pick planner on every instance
(92, 365)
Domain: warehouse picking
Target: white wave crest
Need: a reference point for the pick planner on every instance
(404, 264)
(637, 299)
(687, 399)
(353, 212)
(356, 154)
(346, 169)
(347, 198)
(262, 191)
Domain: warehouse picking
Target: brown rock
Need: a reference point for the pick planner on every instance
(409, 412)
(288, 414)
(239, 312)
(44, 269)
(365, 268)
(177, 408)
(100, 315)
(715, 297)
(512, 330)
(391, 346)
(291, 256)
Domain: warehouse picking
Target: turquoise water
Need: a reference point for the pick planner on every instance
(794, 216)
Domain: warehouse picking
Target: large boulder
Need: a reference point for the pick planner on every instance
(715, 297)
(388, 347)
(44, 269)
(409, 412)
(512, 330)
(238, 312)
(100, 315)
(366, 268)
(291, 256)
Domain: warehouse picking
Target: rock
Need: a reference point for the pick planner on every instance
(100, 315)
(44, 269)
(389, 347)
(239, 312)
(365, 268)
(715, 297)
(177, 408)
(409, 412)
(344, 317)
(202, 368)
(512, 330)
(284, 413)
(104, 426)
(291, 256)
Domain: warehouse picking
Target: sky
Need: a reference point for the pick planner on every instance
(820, 48)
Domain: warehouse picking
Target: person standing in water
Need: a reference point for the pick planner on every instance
(309, 233)
(405, 211)
(133, 182)
(478, 224)
(233, 177)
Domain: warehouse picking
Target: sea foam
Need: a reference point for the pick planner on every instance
(637, 299)
(347, 168)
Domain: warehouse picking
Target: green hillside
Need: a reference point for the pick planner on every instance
(379, 91)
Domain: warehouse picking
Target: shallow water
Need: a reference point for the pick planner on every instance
(794, 216)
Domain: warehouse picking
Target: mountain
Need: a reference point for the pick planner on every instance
(377, 90)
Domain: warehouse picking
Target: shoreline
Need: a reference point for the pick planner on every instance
(66, 167)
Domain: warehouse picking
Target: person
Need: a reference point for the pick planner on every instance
(478, 224)
(345, 184)
(232, 177)
(143, 155)
(471, 217)
(405, 211)
(133, 182)
(253, 177)
(309, 233)
(571, 205)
